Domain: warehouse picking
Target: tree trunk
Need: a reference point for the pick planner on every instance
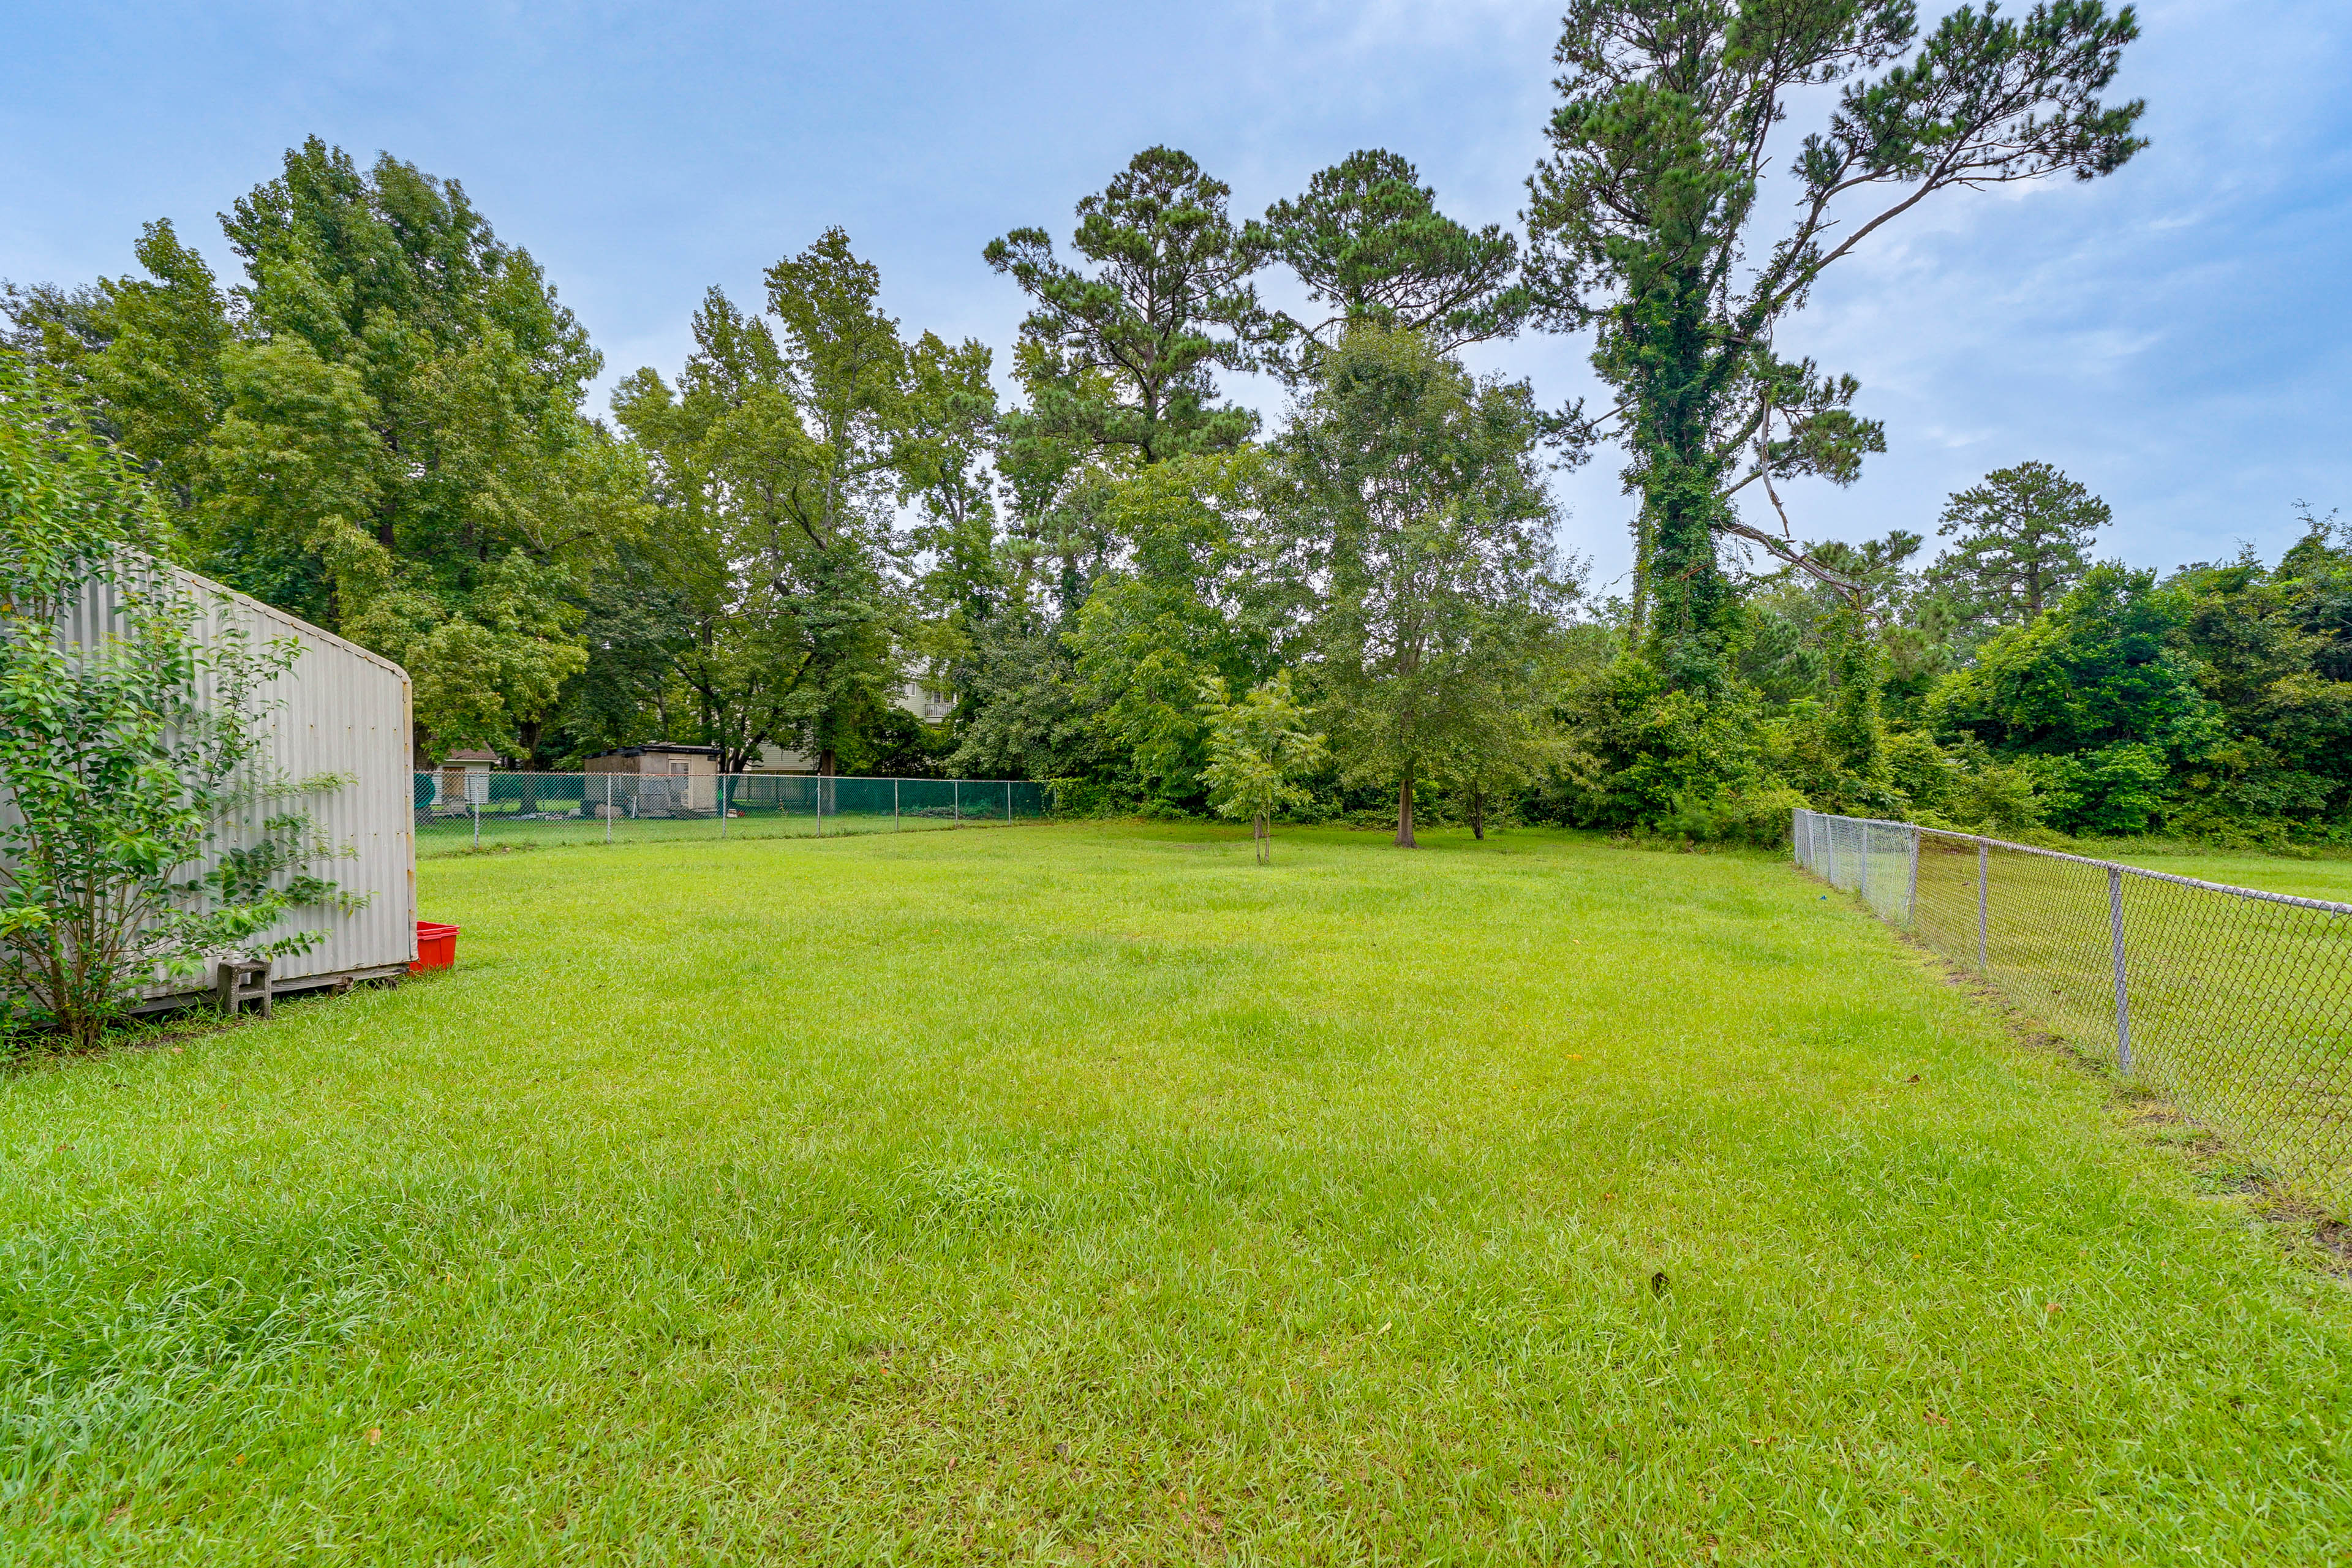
(1854, 730)
(1477, 813)
(527, 737)
(1264, 840)
(1404, 839)
(1690, 604)
(1638, 624)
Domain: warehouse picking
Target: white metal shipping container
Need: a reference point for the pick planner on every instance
(340, 709)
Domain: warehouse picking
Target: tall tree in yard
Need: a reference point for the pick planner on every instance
(1417, 505)
(379, 429)
(1645, 228)
(720, 447)
(1123, 358)
(781, 456)
(846, 369)
(2025, 538)
(967, 580)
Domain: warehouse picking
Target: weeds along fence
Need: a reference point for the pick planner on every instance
(458, 809)
(2234, 1004)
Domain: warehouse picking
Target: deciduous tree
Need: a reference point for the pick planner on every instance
(1259, 748)
(379, 428)
(1418, 511)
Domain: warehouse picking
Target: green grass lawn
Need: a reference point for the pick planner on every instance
(1087, 1194)
(452, 834)
(2322, 879)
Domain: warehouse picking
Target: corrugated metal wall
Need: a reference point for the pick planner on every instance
(340, 709)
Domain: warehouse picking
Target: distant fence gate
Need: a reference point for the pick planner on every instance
(459, 807)
(2235, 1004)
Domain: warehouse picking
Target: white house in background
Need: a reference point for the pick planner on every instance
(914, 697)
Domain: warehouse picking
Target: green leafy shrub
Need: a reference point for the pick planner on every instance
(1761, 813)
(127, 762)
(1637, 750)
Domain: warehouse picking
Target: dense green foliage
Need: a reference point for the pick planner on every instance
(2213, 702)
(378, 430)
(821, 517)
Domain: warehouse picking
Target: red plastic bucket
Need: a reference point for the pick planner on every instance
(437, 947)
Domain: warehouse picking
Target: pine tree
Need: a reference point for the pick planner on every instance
(1642, 227)
(2024, 537)
(1123, 358)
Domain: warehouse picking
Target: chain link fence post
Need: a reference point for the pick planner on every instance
(478, 818)
(2115, 938)
(894, 805)
(1911, 894)
(2234, 1003)
(958, 787)
(1984, 868)
(608, 809)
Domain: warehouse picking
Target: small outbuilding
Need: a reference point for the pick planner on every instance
(660, 779)
(461, 782)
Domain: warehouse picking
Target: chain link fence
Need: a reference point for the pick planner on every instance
(461, 808)
(2234, 1004)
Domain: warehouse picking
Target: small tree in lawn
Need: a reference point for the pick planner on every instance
(1258, 747)
(125, 759)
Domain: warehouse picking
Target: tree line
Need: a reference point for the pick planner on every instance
(1114, 574)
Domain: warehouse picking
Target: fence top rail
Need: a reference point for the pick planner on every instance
(2322, 905)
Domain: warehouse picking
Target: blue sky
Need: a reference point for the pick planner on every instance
(2176, 336)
